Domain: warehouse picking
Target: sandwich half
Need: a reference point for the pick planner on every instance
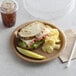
(32, 35)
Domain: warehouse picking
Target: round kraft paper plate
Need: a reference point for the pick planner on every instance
(49, 57)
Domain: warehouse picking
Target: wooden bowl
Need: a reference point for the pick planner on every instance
(50, 56)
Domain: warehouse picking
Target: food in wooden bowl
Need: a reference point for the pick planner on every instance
(37, 41)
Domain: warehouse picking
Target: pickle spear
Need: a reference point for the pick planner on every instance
(30, 54)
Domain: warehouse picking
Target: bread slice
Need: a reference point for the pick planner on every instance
(31, 30)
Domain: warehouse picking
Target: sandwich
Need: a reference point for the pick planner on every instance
(32, 35)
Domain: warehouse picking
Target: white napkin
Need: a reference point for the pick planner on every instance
(70, 38)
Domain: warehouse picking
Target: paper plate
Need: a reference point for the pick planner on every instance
(49, 57)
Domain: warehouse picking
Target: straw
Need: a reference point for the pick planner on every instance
(70, 58)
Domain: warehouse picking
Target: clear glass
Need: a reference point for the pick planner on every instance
(48, 9)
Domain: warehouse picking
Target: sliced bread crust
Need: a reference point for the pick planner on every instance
(31, 30)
